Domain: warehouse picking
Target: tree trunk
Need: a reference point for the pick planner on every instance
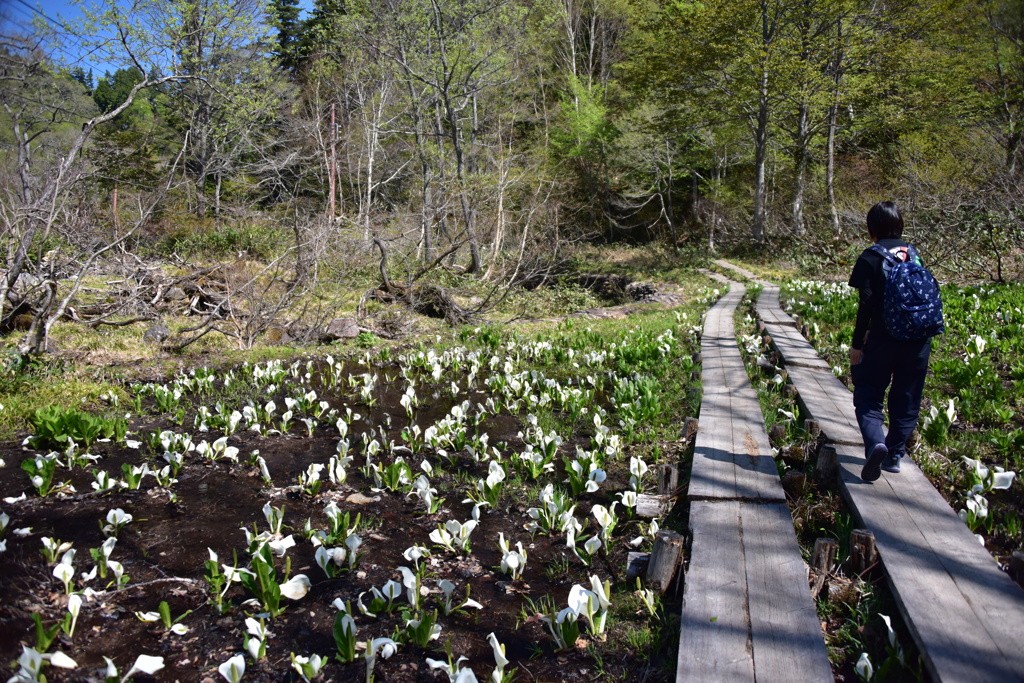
(833, 114)
(830, 169)
(760, 162)
(216, 199)
(801, 163)
(761, 133)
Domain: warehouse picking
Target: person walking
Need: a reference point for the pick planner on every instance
(878, 359)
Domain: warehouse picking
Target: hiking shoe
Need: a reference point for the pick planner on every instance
(873, 467)
(892, 463)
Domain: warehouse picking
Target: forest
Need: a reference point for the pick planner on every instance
(493, 136)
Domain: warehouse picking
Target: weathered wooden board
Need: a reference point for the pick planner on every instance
(650, 506)
(732, 454)
(769, 307)
(965, 615)
(714, 276)
(824, 398)
(747, 612)
(714, 638)
(757, 476)
(785, 631)
(743, 272)
(795, 348)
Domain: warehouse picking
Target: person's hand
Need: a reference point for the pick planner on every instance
(856, 356)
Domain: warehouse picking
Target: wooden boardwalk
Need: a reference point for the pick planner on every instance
(747, 610)
(965, 615)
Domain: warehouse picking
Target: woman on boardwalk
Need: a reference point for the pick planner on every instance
(877, 359)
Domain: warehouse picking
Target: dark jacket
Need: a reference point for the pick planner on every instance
(869, 278)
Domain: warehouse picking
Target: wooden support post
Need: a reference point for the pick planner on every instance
(668, 479)
(805, 330)
(828, 465)
(636, 566)
(694, 393)
(793, 483)
(788, 391)
(697, 358)
(795, 454)
(823, 561)
(691, 427)
(651, 506)
(665, 560)
(863, 553)
(695, 375)
(766, 365)
(1017, 567)
(812, 427)
(778, 433)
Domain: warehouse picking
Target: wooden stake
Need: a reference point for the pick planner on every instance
(651, 506)
(636, 566)
(812, 427)
(828, 465)
(691, 427)
(1017, 567)
(823, 561)
(863, 553)
(793, 483)
(668, 479)
(778, 433)
(665, 560)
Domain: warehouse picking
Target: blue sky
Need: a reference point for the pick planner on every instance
(60, 12)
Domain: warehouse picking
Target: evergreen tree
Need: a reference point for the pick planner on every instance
(317, 30)
(79, 74)
(284, 16)
(113, 90)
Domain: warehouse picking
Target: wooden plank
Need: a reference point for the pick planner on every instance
(794, 348)
(769, 307)
(714, 638)
(965, 615)
(785, 632)
(824, 398)
(736, 269)
(713, 475)
(714, 276)
(757, 476)
(732, 454)
(651, 506)
(747, 612)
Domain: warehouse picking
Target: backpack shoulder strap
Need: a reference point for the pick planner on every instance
(886, 254)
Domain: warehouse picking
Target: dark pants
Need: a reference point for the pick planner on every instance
(904, 366)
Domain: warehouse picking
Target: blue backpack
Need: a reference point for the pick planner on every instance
(913, 305)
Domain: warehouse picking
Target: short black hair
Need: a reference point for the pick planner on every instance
(885, 221)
